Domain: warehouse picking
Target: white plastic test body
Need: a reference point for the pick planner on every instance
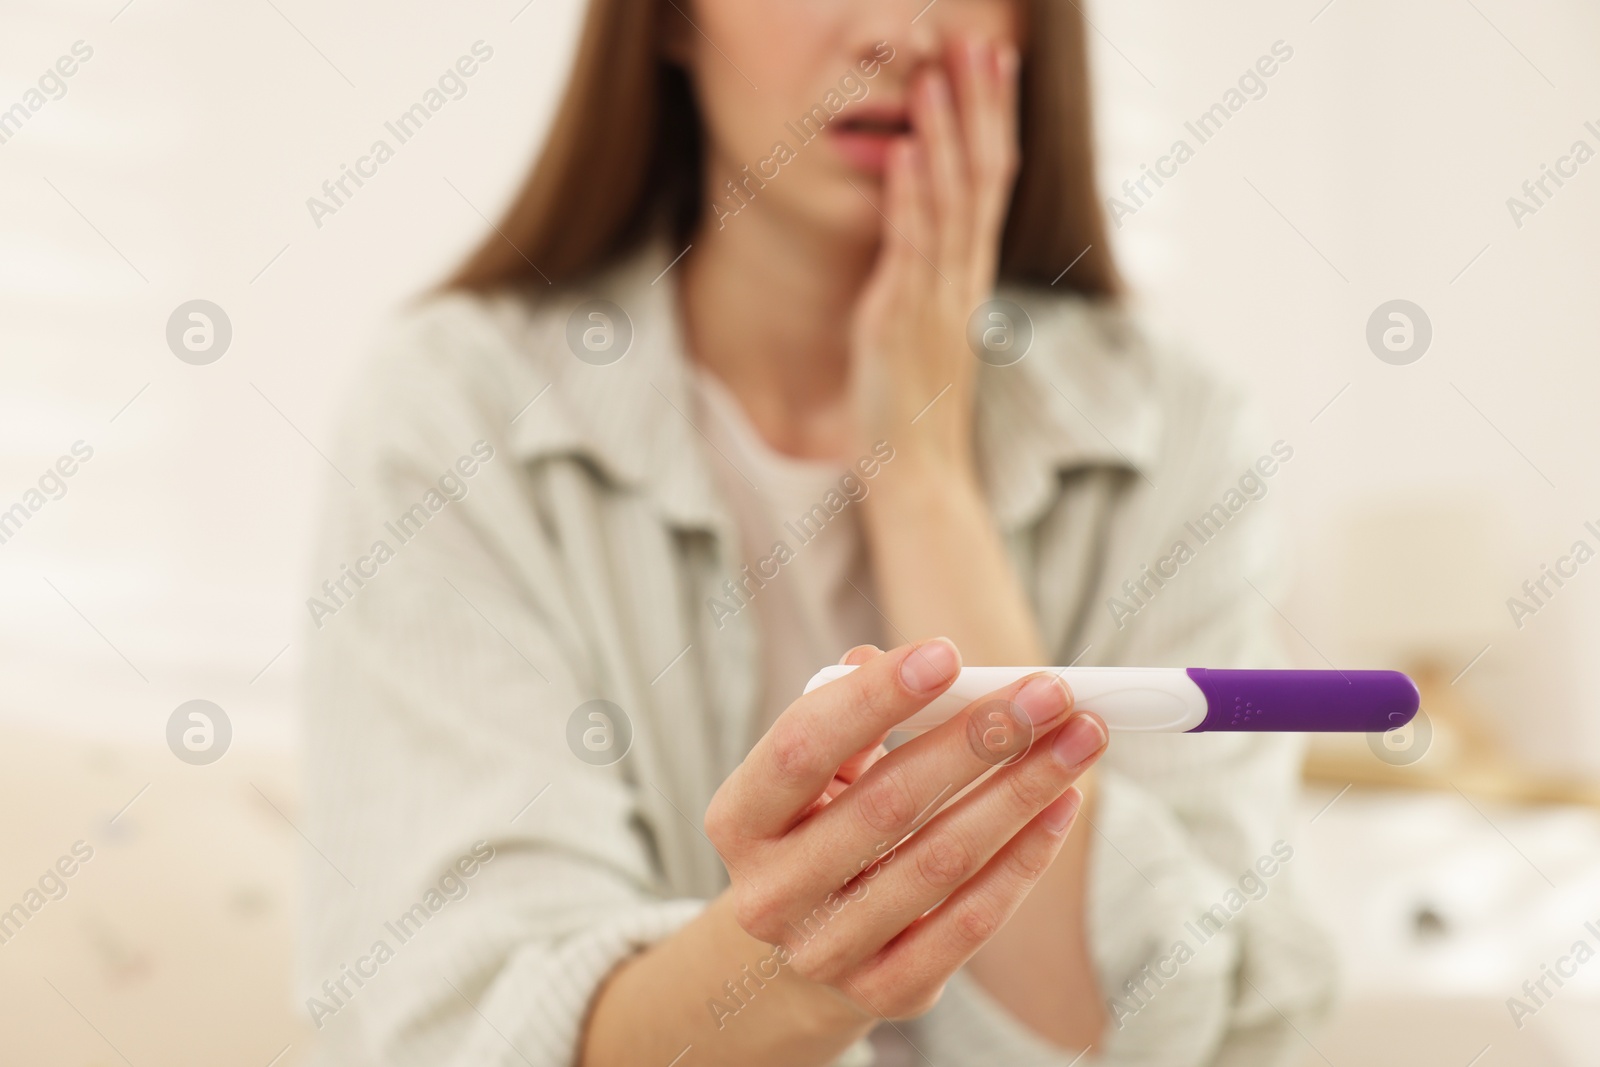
(1149, 699)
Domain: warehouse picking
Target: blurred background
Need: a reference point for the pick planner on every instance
(1431, 479)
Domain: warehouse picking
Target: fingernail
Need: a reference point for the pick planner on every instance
(1081, 738)
(1043, 698)
(930, 665)
(874, 649)
(938, 89)
(1057, 815)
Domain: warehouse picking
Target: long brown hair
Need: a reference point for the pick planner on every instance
(625, 154)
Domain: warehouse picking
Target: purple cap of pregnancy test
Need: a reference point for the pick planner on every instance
(1309, 701)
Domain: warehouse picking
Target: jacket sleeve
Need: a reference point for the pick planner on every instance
(474, 882)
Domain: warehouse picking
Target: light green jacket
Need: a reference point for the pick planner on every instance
(516, 532)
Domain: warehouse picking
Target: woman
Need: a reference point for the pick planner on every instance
(731, 391)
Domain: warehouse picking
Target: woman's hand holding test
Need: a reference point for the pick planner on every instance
(858, 885)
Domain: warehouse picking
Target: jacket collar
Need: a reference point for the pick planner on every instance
(1083, 396)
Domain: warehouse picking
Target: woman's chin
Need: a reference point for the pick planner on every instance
(852, 217)
(832, 208)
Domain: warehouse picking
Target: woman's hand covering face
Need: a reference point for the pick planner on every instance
(946, 192)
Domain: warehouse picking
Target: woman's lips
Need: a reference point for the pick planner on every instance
(863, 137)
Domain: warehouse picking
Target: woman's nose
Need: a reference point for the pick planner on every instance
(909, 26)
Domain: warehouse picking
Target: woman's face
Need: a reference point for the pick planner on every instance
(802, 98)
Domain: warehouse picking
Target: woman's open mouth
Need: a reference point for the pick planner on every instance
(863, 136)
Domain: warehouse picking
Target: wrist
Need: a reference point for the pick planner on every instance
(815, 1013)
(928, 453)
(914, 488)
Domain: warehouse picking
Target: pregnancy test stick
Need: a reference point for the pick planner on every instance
(1196, 699)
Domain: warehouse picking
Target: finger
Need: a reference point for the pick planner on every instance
(853, 767)
(884, 288)
(988, 125)
(915, 219)
(936, 944)
(1010, 62)
(976, 95)
(934, 120)
(960, 840)
(903, 791)
(859, 655)
(994, 201)
(796, 758)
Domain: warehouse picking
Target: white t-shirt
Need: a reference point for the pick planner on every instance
(812, 604)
